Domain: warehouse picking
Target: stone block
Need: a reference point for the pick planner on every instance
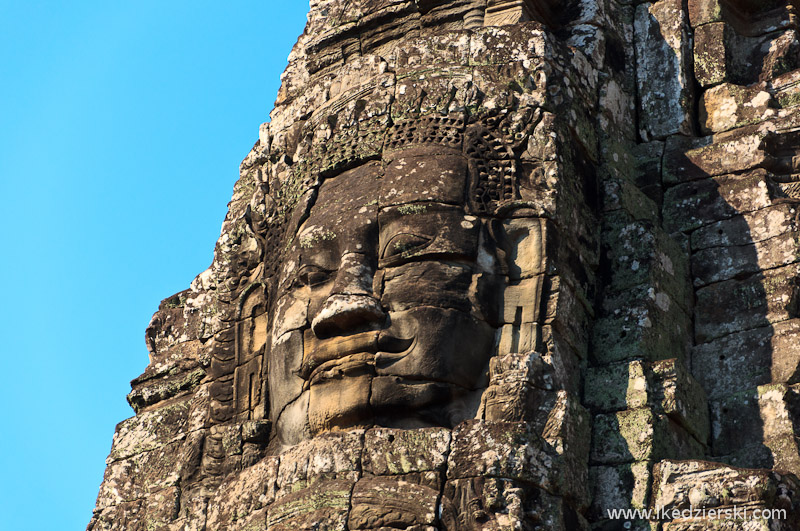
(566, 311)
(567, 363)
(172, 325)
(640, 435)
(158, 511)
(748, 228)
(704, 11)
(786, 90)
(559, 192)
(523, 314)
(778, 54)
(405, 22)
(780, 412)
(520, 389)
(494, 504)
(136, 477)
(245, 495)
(530, 369)
(625, 486)
(323, 506)
(737, 431)
(640, 253)
(175, 368)
(735, 305)
(147, 393)
(741, 360)
(328, 456)
(447, 49)
(691, 205)
(682, 485)
(710, 65)
(663, 70)
(537, 247)
(616, 387)
(128, 515)
(648, 170)
(194, 511)
(255, 521)
(640, 323)
(325, 399)
(786, 352)
(663, 386)
(150, 430)
(509, 44)
(510, 450)
(323, 55)
(426, 92)
(256, 431)
(622, 194)
(617, 105)
(677, 394)
(728, 106)
(381, 502)
(504, 12)
(724, 263)
(785, 452)
(391, 451)
(222, 450)
(568, 432)
(689, 159)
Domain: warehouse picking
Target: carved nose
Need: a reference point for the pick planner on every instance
(346, 313)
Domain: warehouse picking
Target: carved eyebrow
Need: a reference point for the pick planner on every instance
(404, 242)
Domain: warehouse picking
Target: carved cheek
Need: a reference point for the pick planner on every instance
(291, 313)
(285, 359)
(435, 284)
(449, 346)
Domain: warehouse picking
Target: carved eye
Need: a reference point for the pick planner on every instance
(311, 275)
(404, 244)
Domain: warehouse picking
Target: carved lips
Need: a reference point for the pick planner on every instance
(337, 356)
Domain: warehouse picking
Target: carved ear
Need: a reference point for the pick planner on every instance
(250, 345)
(524, 242)
(497, 234)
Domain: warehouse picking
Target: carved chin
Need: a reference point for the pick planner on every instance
(339, 403)
(390, 401)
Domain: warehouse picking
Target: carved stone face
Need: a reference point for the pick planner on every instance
(378, 320)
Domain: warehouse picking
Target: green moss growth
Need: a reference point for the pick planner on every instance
(407, 210)
(789, 100)
(308, 241)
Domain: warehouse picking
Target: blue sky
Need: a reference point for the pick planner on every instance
(122, 125)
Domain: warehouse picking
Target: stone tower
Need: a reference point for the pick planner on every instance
(504, 264)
